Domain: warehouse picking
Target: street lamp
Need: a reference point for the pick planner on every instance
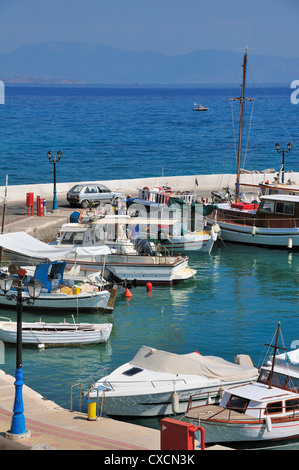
(54, 159)
(18, 427)
(283, 151)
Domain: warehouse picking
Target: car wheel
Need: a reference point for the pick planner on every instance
(85, 204)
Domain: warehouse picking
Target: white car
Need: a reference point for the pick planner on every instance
(89, 195)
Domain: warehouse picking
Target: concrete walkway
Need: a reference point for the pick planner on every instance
(59, 429)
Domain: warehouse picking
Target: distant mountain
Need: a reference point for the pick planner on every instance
(94, 63)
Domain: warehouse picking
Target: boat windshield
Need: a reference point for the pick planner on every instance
(236, 403)
(72, 238)
(280, 380)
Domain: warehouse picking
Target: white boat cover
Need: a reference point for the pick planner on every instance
(21, 242)
(210, 367)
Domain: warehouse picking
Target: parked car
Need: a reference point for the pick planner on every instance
(89, 195)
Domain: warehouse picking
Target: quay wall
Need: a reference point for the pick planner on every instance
(206, 183)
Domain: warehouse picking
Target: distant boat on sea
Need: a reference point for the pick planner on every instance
(199, 107)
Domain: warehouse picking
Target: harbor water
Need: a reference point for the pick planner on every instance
(232, 306)
(238, 295)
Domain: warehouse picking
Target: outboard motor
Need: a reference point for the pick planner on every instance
(143, 247)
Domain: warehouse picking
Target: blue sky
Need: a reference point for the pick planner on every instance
(166, 26)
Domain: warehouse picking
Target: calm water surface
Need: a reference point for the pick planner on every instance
(232, 307)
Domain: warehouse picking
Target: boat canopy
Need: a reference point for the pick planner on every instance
(210, 367)
(21, 242)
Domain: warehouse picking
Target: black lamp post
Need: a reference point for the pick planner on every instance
(54, 159)
(18, 427)
(283, 151)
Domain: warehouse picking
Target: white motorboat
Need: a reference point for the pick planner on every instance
(175, 220)
(59, 294)
(199, 241)
(156, 382)
(86, 249)
(128, 260)
(199, 107)
(262, 411)
(55, 334)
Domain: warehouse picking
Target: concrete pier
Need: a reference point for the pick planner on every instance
(56, 428)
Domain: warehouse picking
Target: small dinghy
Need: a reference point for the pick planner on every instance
(55, 334)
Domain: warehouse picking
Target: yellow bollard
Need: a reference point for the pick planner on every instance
(92, 410)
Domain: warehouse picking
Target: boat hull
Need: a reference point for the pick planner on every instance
(159, 270)
(248, 431)
(269, 237)
(57, 334)
(125, 403)
(83, 302)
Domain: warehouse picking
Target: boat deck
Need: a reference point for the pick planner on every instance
(217, 413)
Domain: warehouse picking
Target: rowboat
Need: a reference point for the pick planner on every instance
(59, 294)
(55, 334)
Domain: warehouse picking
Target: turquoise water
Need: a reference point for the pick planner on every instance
(232, 307)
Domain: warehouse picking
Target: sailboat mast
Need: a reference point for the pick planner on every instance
(274, 355)
(241, 127)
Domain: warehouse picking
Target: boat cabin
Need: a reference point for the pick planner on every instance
(279, 210)
(260, 401)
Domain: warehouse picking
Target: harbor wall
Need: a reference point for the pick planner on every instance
(17, 193)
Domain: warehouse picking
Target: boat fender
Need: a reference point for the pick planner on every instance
(175, 403)
(221, 391)
(268, 423)
(290, 243)
(253, 230)
(216, 228)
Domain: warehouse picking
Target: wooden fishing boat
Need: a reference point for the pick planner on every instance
(272, 222)
(262, 411)
(55, 334)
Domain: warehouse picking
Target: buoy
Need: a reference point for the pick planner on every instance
(149, 286)
(128, 293)
(175, 402)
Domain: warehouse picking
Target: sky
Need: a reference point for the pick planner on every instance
(167, 26)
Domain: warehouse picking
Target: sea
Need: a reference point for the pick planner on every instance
(239, 293)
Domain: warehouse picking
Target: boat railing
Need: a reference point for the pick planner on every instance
(244, 217)
(155, 383)
(80, 394)
(162, 197)
(205, 395)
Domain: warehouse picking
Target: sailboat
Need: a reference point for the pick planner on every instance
(261, 411)
(271, 222)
